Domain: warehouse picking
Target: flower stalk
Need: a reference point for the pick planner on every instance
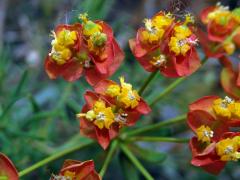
(147, 82)
(136, 162)
(53, 158)
(159, 139)
(156, 126)
(109, 157)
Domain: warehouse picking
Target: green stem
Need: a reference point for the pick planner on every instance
(147, 82)
(135, 161)
(166, 91)
(109, 157)
(156, 126)
(172, 86)
(159, 139)
(52, 158)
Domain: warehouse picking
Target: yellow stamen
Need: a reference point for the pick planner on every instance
(204, 134)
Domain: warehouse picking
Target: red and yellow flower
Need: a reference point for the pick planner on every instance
(7, 168)
(210, 118)
(88, 48)
(109, 108)
(166, 45)
(221, 23)
(230, 79)
(77, 170)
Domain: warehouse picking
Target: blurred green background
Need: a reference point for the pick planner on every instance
(37, 115)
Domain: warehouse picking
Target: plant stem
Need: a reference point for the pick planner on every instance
(159, 139)
(52, 158)
(147, 82)
(136, 162)
(172, 86)
(109, 157)
(156, 126)
(166, 91)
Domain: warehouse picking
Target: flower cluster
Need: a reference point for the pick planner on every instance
(77, 170)
(88, 48)
(110, 107)
(211, 118)
(221, 24)
(7, 168)
(167, 45)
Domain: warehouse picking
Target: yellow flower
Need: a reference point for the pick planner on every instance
(179, 45)
(61, 44)
(162, 21)
(221, 107)
(235, 109)
(100, 115)
(152, 37)
(152, 32)
(61, 56)
(96, 41)
(104, 115)
(204, 134)
(227, 149)
(113, 90)
(182, 31)
(89, 28)
(66, 38)
(128, 97)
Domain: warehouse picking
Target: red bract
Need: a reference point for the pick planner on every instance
(221, 110)
(230, 79)
(166, 46)
(108, 109)
(205, 157)
(7, 168)
(210, 48)
(77, 170)
(214, 156)
(83, 49)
